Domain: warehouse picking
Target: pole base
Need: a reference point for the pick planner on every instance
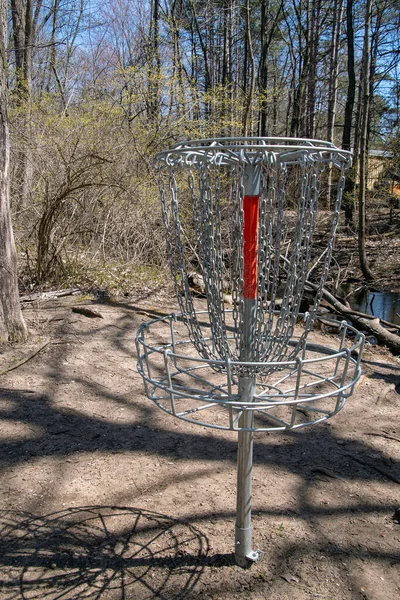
(244, 555)
(246, 561)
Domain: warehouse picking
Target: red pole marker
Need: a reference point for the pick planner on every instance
(251, 209)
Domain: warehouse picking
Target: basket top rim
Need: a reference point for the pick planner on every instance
(251, 150)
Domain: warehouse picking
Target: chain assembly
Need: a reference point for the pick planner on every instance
(205, 223)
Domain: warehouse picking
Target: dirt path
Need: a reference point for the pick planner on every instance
(104, 496)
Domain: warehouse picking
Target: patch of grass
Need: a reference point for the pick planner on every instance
(280, 530)
(106, 279)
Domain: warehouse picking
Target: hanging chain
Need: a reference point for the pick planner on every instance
(213, 210)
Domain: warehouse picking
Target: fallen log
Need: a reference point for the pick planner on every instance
(371, 325)
(43, 296)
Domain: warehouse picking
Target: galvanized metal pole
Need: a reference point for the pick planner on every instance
(244, 555)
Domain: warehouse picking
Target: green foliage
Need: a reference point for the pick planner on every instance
(112, 279)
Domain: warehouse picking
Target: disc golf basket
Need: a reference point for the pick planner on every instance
(242, 213)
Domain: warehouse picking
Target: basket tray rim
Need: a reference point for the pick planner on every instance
(243, 149)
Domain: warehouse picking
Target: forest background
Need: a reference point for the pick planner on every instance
(95, 89)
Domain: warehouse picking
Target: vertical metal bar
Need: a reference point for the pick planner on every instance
(299, 369)
(343, 329)
(170, 383)
(172, 322)
(357, 365)
(244, 554)
(342, 395)
(147, 361)
(243, 550)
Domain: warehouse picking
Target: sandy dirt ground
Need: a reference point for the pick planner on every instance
(104, 496)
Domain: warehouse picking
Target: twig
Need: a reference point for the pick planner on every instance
(25, 360)
(316, 262)
(353, 292)
(190, 245)
(43, 296)
(384, 435)
(379, 469)
(326, 472)
(87, 312)
(375, 236)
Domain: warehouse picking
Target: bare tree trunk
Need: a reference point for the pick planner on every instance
(299, 113)
(313, 41)
(269, 26)
(181, 107)
(12, 325)
(250, 95)
(23, 33)
(348, 204)
(263, 71)
(207, 75)
(365, 111)
(18, 20)
(53, 52)
(334, 67)
(155, 62)
(333, 83)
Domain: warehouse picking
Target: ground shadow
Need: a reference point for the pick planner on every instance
(125, 553)
(63, 433)
(100, 552)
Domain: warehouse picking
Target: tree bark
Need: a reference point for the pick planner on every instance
(313, 41)
(23, 36)
(302, 58)
(348, 204)
(263, 71)
(250, 96)
(333, 84)
(365, 111)
(334, 68)
(18, 20)
(154, 63)
(268, 27)
(12, 325)
(195, 20)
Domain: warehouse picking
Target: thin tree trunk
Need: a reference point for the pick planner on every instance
(348, 196)
(334, 68)
(269, 25)
(333, 83)
(365, 111)
(299, 113)
(207, 75)
(18, 15)
(23, 35)
(153, 64)
(12, 325)
(263, 71)
(315, 15)
(250, 95)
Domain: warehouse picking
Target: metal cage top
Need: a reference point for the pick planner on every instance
(242, 212)
(252, 151)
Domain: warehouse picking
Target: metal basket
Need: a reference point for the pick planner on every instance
(243, 214)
